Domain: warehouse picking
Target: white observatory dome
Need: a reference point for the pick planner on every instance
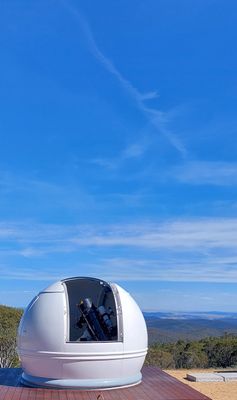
(82, 333)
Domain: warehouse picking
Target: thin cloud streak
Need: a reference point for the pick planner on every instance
(189, 234)
(150, 95)
(173, 270)
(189, 250)
(207, 233)
(155, 117)
(133, 151)
(126, 269)
(20, 273)
(70, 195)
(206, 173)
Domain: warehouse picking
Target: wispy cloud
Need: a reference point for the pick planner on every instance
(184, 234)
(127, 269)
(182, 250)
(206, 173)
(132, 269)
(149, 95)
(45, 193)
(156, 117)
(187, 234)
(133, 151)
(202, 250)
(28, 274)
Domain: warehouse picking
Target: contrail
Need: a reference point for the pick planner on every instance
(155, 117)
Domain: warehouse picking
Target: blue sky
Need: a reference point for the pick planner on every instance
(118, 149)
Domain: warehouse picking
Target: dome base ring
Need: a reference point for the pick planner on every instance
(80, 384)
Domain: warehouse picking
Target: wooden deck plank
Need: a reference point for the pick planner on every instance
(3, 392)
(156, 385)
(168, 386)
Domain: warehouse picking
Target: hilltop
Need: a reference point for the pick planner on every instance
(170, 327)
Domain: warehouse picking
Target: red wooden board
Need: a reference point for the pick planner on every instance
(156, 385)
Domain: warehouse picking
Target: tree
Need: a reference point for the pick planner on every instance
(160, 358)
(9, 321)
(221, 352)
(8, 355)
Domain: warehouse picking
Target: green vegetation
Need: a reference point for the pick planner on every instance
(9, 321)
(205, 353)
(218, 352)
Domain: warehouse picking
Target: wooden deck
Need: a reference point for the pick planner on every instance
(156, 385)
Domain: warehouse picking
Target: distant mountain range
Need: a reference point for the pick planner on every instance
(190, 315)
(167, 327)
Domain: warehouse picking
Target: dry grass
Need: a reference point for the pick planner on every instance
(214, 390)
